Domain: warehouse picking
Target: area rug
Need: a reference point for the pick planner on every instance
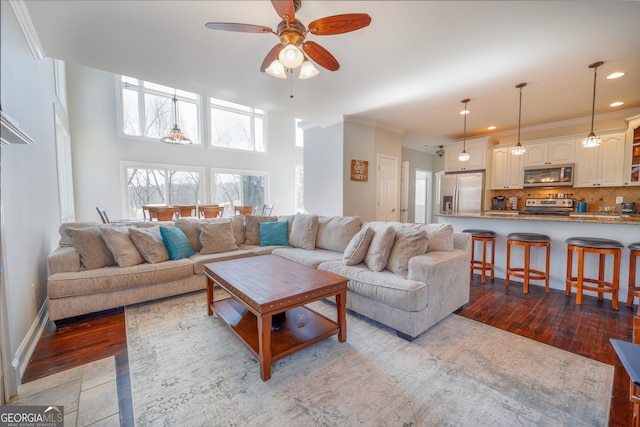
(189, 369)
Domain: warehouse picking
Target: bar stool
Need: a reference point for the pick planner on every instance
(528, 240)
(482, 265)
(634, 288)
(600, 247)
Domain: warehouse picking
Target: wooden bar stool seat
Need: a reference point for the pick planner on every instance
(601, 247)
(634, 287)
(528, 240)
(483, 236)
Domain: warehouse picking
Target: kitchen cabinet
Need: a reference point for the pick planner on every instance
(631, 172)
(600, 166)
(556, 152)
(477, 149)
(506, 169)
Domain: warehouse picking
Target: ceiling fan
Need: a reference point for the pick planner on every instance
(293, 50)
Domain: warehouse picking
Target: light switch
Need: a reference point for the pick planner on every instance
(619, 199)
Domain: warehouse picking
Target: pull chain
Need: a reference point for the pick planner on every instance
(291, 82)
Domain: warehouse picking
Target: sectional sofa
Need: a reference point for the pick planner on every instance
(406, 276)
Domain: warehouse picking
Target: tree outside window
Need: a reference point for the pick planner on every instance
(236, 189)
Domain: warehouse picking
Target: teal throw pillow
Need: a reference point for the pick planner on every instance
(176, 242)
(274, 234)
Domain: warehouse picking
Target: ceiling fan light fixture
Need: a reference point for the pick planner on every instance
(276, 69)
(291, 57)
(175, 134)
(307, 70)
(592, 140)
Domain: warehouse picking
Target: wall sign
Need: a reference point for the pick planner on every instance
(359, 170)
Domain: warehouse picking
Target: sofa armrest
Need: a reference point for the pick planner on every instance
(462, 241)
(64, 259)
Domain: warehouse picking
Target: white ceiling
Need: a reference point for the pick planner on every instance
(408, 71)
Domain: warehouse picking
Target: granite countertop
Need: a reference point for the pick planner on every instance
(633, 219)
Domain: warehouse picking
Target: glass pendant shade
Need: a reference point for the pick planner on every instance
(592, 140)
(291, 57)
(464, 156)
(276, 69)
(175, 135)
(518, 150)
(307, 70)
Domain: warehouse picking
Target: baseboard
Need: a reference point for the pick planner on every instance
(28, 344)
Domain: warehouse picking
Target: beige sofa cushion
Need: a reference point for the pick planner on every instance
(252, 224)
(335, 233)
(239, 229)
(305, 257)
(189, 227)
(408, 243)
(304, 230)
(379, 250)
(440, 237)
(217, 237)
(150, 244)
(358, 246)
(88, 242)
(65, 239)
(119, 243)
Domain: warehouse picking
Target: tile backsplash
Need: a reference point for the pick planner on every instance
(595, 197)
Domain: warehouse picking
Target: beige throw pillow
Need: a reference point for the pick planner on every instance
(189, 227)
(304, 230)
(65, 239)
(150, 244)
(217, 237)
(358, 246)
(440, 237)
(119, 243)
(253, 227)
(408, 243)
(335, 233)
(377, 256)
(239, 229)
(88, 242)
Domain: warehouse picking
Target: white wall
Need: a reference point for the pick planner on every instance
(28, 179)
(98, 150)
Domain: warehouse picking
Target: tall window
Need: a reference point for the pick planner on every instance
(147, 110)
(299, 134)
(233, 188)
(236, 126)
(160, 185)
(299, 190)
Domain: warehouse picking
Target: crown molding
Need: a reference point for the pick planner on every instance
(373, 123)
(26, 24)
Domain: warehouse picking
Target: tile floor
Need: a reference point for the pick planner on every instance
(88, 393)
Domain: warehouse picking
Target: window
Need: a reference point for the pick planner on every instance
(236, 126)
(161, 185)
(233, 188)
(299, 134)
(299, 190)
(147, 110)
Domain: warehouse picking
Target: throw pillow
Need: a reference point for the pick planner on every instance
(176, 242)
(88, 242)
(379, 250)
(189, 227)
(65, 239)
(335, 233)
(253, 227)
(217, 237)
(358, 246)
(119, 243)
(303, 231)
(440, 237)
(273, 234)
(150, 244)
(239, 230)
(408, 243)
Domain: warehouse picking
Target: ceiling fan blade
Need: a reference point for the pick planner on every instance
(285, 9)
(271, 56)
(339, 24)
(320, 55)
(241, 28)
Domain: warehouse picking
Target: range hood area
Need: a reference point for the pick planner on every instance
(553, 176)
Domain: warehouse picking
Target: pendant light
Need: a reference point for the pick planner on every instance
(592, 140)
(464, 156)
(519, 149)
(175, 135)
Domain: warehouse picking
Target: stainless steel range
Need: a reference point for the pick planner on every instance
(534, 206)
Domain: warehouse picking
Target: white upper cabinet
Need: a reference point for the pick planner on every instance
(477, 149)
(631, 173)
(506, 169)
(600, 166)
(549, 152)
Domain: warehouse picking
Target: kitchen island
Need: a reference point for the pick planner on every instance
(624, 229)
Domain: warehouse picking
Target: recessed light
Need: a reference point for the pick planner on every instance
(616, 104)
(491, 128)
(615, 75)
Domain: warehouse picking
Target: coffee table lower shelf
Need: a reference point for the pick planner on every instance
(301, 328)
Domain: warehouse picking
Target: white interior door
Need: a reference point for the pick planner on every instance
(387, 188)
(404, 192)
(423, 196)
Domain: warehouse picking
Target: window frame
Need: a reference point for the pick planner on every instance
(251, 112)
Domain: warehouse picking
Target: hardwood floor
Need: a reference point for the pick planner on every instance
(552, 318)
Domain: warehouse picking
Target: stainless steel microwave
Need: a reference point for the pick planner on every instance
(550, 176)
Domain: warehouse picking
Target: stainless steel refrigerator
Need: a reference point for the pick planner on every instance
(461, 193)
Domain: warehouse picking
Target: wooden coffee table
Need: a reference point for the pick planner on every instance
(269, 292)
